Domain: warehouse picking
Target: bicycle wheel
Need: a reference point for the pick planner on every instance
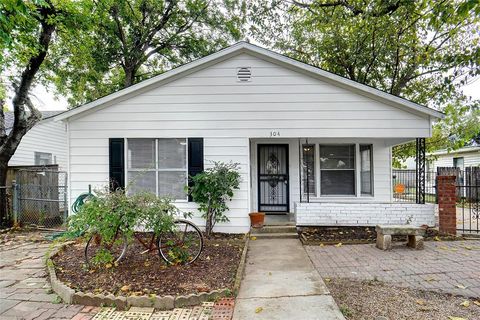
(97, 248)
(183, 244)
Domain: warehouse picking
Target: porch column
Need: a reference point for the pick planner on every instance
(420, 170)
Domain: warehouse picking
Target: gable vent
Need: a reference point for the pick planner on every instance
(244, 74)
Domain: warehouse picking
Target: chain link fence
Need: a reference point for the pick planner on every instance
(40, 198)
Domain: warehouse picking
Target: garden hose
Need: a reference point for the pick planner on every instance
(80, 201)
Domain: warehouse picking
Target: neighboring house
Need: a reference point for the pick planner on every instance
(293, 128)
(461, 158)
(44, 144)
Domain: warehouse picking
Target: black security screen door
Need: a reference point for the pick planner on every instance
(273, 178)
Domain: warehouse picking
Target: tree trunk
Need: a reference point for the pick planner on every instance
(4, 219)
(24, 121)
(129, 76)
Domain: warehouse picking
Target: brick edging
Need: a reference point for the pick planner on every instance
(167, 302)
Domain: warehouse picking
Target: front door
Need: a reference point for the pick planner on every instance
(273, 178)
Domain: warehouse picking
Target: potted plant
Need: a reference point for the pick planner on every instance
(257, 219)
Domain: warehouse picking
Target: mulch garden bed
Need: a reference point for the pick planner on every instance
(370, 300)
(146, 274)
(356, 235)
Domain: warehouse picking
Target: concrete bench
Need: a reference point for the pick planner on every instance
(385, 233)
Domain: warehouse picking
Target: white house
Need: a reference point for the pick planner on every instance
(310, 143)
(462, 158)
(44, 144)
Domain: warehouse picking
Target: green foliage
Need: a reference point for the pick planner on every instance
(424, 51)
(130, 40)
(108, 212)
(20, 23)
(212, 189)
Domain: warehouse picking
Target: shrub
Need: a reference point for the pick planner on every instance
(107, 211)
(212, 189)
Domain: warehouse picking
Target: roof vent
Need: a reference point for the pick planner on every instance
(244, 74)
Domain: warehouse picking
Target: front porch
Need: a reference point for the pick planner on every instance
(329, 182)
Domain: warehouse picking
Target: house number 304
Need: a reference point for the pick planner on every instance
(274, 133)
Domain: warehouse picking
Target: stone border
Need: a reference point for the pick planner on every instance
(167, 302)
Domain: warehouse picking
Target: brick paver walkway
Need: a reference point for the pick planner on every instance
(452, 267)
(25, 292)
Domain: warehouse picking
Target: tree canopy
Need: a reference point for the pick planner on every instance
(130, 40)
(424, 51)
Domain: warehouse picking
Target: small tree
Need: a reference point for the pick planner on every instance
(212, 189)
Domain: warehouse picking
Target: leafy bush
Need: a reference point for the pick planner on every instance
(212, 189)
(107, 211)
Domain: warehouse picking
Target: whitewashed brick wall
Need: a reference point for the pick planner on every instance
(363, 214)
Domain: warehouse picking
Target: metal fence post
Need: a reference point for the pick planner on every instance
(15, 202)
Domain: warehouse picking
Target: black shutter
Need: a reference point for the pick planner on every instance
(195, 158)
(117, 163)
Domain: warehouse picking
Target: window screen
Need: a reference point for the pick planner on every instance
(337, 169)
(158, 166)
(309, 184)
(366, 169)
(42, 158)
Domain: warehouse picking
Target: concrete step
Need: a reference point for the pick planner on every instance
(283, 235)
(274, 229)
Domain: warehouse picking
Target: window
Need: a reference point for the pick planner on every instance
(458, 163)
(158, 166)
(309, 184)
(42, 158)
(337, 169)
(366, 166)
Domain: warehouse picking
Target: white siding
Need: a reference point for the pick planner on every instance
(89, 165)
(471, 159)
(210, 103)
(47, 136)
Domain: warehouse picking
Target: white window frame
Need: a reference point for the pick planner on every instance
(156, 169)
(355, 171)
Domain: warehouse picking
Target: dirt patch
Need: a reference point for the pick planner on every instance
(357, 235)
(367, 300)
(148, 274)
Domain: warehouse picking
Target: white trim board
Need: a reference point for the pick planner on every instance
(268, 55)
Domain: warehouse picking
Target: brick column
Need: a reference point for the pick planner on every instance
(447, 204)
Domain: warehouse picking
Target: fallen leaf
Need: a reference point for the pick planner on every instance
(208, 258)
(468, 247)
(461, 287)
(338, 245)
(444, 248)
(430, 279)
(477, 303)
(321, 245)
(253, 238)
(125, 288)
(216, 245)
(269, 273)
(108, 265)
(437, 238)
(465, 304)
(258, 310)
(327, 279)
(420, 302)
(456, 318)
(146, 263)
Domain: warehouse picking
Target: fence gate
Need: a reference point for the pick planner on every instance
(468, 201)
(40, 198)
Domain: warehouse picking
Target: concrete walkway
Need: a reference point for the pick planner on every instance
(280, 282)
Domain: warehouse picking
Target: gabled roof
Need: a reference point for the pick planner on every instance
(10, 118)
(244, 47)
